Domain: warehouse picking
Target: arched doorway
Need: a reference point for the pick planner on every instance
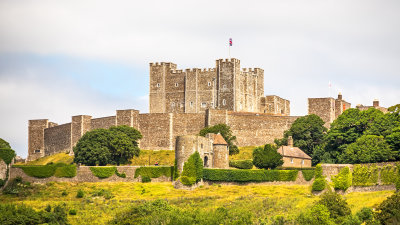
(205, 161)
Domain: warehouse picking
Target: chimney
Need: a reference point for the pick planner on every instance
(290, 141)
(375, 103)
(340, 96)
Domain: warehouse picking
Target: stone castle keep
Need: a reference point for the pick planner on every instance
(183, 103)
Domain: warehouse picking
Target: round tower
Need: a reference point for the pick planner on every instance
(220, 152)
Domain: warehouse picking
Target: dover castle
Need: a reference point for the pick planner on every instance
(182, 102)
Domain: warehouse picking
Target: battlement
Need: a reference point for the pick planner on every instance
(252, 70)
(167, 64)
(176, 71)
(233, 60)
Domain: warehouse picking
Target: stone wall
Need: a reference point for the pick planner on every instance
(297, 162)
(156, 129)
(84, 174)
(324, 108)
(57, 139)
(104, 122)
(3, 170)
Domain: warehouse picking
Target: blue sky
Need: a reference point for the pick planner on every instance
(65, 58)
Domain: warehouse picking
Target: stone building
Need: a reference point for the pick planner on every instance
(293, 156)
(327, 108)
(226, 87)
(375, 104)
(213, 150)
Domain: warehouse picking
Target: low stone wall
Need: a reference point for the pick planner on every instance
(84, 174)
(3, 169)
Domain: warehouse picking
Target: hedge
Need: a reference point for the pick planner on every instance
(308, 174)
(154, 171)
(241, 164)
(38, 171)
(65, 171)
(343, 180)
(389, 174)
(231, 175)
(319, 184)
(7, 154)
(103, 172)
(365, 175)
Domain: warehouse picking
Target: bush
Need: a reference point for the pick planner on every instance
(389, 174)
(193, 169)
(64, 193)
(116, 146)
(80, 194)
(343, 180)
(65, 171)
(241, 164)
(388, 211)
(72, 212)
(318, 215)
(319, 184)
(365, 214)
(267, 157)
(7, 154)
(365, 175)
(122, 175)
(232, 175)
(18, 187)
(146, 179)
(154, 171)
(102, 192)
(318, 171)
(2, 183)
(308, 174)
(103, 172)
(188, 180)
(338, 207)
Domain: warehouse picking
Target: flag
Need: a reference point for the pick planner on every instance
(230, 41)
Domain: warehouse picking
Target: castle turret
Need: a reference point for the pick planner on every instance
(227, 83)
(375, 103)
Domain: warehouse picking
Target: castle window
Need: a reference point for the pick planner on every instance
(203, 105)
(291, 160)
(191, 104)
(201, 146)
(173, 104)
(176, 84)
(158, 85)
(224, 86)
(223, 102)
(209, 83)
(212, 104)
(182, 105)
(37, 151)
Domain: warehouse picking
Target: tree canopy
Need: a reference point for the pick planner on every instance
(267, 157)
(4, 144)
(116, 145)
(307, 133)
(226, 133)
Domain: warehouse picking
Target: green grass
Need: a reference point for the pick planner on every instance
(244, 153)
(150, 157)
(265, 201)
(56, 158)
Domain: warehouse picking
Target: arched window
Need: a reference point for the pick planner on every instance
(205, 161)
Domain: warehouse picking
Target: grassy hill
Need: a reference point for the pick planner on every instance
(265, 202)
(57, 158)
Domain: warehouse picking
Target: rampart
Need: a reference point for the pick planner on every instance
(159, 130)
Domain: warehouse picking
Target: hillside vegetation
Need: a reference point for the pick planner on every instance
(56, 158)
(101, 202)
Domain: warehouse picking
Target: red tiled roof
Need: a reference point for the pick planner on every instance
(293, 152)
(219, 140)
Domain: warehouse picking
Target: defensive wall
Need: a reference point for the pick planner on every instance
(159, 130)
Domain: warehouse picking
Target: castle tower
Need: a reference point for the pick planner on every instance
(36, 138)
(228, 71)
(79, 126)
(158, 72)
(220, 152)
(375, 103)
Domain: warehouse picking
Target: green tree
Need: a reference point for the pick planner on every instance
(116, 145)
(394, 141)
(388, 211)
(267, 157)
(225, 132)
(337, 206)
(367, 149)
(192, 169)
(307, 132)
(317, 215)
(4, 144)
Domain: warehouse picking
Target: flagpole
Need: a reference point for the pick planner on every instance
(229, 52)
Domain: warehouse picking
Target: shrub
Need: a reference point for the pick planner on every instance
(64, 193)
(154, 171)
(38, 171)
(122, 175)
(72, 212)
(389, 174)
(102, 192)
(146, 179)
(103, 172)
(308, 174)
(388, 211)
(241, 164)
(193, 169)
(2, 183)
(319, 184)
(365, 214)
(232, 175)
(107, 146)
(18, 187)
(365, 175)
(188, 180)
(343, 180)
(80, 194)
(48, 208)
(318, 215)
(336, 205)
(267, 157)
(65, 171)
(318, 171)
(7, 154)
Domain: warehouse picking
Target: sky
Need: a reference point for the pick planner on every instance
(78, 57)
